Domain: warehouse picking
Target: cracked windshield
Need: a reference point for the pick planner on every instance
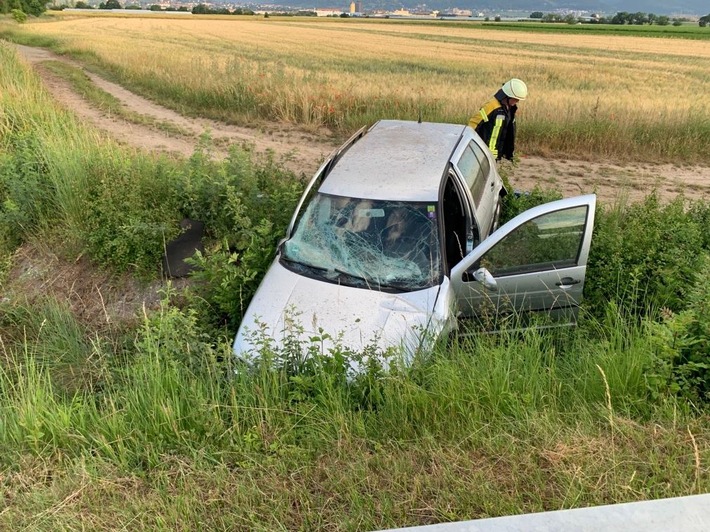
(381, 245)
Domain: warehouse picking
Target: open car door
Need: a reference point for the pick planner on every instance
(532, 268)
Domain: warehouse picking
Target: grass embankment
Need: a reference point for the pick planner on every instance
(144, 424)
(616, 97)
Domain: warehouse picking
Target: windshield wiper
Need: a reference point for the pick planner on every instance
(312, 267)
(368, 282)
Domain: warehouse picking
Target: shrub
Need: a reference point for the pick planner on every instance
(132, 210)
(516, 203)
(246, 207)
(645, 255)
(683, 343)
(25, 192)
(19, 16)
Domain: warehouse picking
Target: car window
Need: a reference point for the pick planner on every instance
(470, 167)
(550, 241)
(366, 243)
(483, 161)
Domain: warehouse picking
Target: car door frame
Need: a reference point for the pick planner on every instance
(485, 208)
(557, 292)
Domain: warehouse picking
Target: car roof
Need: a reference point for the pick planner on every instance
(395, 160)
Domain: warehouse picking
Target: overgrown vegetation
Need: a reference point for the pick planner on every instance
(153, 425)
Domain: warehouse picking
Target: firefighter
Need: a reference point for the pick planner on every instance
(495, 121)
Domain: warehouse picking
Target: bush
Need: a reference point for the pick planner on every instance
(518, 202)
(25, 192)
(246, 207)
(132, 210)
(19, 15)
(683, 343)
(646, 255)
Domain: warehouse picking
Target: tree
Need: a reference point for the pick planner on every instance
(704, 21)
(82, 5)
(536, 14)
(663, 20)
(621, 18)
(155, 7)
(28, 7)
(638, 18)
(110, 4)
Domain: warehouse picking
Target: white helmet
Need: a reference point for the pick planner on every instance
(515, 88)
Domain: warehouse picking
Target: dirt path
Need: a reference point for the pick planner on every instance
(298, 150)
(303, 152)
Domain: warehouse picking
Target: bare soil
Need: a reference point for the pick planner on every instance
(97, 297)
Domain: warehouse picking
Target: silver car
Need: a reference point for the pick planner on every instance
(395, 241)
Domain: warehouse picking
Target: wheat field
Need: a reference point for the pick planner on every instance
(622, 96)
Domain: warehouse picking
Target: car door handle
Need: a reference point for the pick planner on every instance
(567, 281)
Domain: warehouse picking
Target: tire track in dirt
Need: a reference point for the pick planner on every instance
(299, 151)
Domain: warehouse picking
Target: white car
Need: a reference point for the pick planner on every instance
(395, 240)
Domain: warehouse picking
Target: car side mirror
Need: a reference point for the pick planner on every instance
(483, 276)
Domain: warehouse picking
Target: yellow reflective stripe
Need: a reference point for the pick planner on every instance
(483, 113)
(475, 120)
(492, 144)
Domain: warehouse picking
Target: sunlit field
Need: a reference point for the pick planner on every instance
(622, 97)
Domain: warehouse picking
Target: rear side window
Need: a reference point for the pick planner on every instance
(473, 173)
(483, 161)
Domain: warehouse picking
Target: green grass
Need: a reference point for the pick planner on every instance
(687, 30)
(486, 427)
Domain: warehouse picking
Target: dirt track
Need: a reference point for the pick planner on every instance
(303, 152)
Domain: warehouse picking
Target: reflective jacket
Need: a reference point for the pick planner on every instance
(495, 124)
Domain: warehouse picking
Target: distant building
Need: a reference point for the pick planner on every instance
(328, 11)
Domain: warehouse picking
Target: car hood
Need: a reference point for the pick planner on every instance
(355, 318)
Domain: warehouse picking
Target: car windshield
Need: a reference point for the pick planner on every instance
(381, 245)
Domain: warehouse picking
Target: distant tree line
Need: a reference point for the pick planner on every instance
(28, 7)
(639, 18)
(202, 9)
(199, 9)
